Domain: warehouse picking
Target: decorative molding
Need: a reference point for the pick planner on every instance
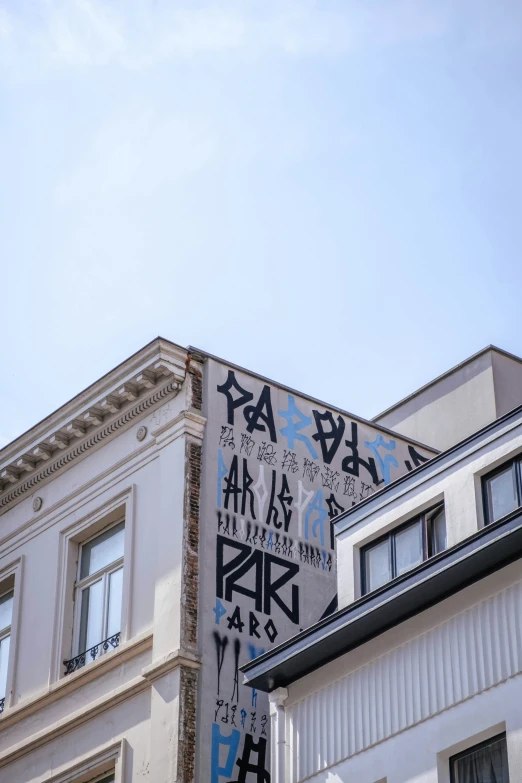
(37, 503)
(169, 662)
(88, 439)
(141, 433)
(187, 422)
(462, 657)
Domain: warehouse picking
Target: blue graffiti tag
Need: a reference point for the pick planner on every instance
(219, 610)
(388, 460)
(322, 515)
(222, 472)
(292, 431)
(253, 651)
(219, 739)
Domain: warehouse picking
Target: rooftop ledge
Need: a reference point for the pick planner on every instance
(489, 549)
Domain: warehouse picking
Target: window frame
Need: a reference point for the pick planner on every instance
(515, 463)
(12, 575)
(472, 749)
(426, 519)
(97, 514)
(6, 633)
(106, 761)
(81, 584)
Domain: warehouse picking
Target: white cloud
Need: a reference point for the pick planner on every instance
(82, 32)
(138, 33)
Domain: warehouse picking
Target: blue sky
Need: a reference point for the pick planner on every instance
(328, 193)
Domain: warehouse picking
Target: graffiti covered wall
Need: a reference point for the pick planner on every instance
(278, 469)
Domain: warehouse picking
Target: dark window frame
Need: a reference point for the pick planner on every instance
(473, 749)
(426, 519)
(515, 463)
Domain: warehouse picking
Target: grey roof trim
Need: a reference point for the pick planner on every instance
(435, 465)
(488, 550)
(446, 374)
(198, 353)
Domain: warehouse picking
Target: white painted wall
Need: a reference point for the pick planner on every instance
(398, 707)
(123, 707)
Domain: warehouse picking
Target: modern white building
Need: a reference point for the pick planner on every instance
(418, 675)
(167, 525)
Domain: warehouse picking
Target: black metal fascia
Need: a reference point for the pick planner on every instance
(434, 580)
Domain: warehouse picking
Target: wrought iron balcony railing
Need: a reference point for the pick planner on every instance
(2, 704)
(80, 660)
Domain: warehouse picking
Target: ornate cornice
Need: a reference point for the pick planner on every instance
(112, 404)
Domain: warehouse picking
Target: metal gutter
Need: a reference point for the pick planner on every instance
(486, 551)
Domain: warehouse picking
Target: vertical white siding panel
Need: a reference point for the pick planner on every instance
(380, 696)
(471, 655)
(431, 687)
(505, 651)
(362, 694)
(458, 659)
(458, 663)
(394, 682)
(290, 743)
(487, 645)
(423, 681)
(515, 628)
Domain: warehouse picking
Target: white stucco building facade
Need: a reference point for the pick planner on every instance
(166, 526)
(418, 676)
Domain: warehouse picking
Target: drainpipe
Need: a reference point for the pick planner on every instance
(277, 717)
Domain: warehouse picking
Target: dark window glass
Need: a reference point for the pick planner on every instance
(484, 763)
(378, 565)
(409, 550)
(404, 548)
(502, 493)
(438, 532)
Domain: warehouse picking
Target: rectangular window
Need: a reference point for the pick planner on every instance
(6, 617)
(98, 596)
(484, 763)
(502, 490)
(403, 548)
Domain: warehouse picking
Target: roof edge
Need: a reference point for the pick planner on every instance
(444, 375)
(113, 376)
(425, 466)
(198, 353)
(468, 561)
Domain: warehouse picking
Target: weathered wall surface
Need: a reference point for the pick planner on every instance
(277, 469)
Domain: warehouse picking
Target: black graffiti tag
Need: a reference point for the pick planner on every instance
(246, 765)
(264, 592)
(334, 434)
(352, 464)
(233, 403)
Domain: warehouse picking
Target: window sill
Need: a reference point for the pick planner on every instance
(71, 682)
